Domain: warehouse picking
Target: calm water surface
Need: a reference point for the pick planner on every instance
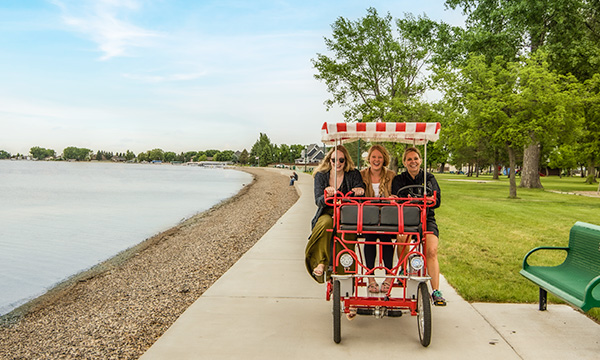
(60, 218)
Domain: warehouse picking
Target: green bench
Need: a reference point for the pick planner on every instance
(577, 279)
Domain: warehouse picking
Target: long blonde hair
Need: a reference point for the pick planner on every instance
(325, 164)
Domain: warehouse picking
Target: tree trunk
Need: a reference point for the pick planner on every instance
(442, 168)
(591, 172)
(496, 172)
(530, 176)
(511, 175)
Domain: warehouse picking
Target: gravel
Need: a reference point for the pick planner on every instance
(119, 308)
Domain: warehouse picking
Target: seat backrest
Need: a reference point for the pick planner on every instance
(370, 215)
(412, 215)
(389, 215)
(349, 214)
(584, 247)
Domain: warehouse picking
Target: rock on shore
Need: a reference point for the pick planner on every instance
(121, 307)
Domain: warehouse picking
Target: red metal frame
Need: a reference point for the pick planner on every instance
(413, 242)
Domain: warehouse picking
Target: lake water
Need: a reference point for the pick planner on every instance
(60, 218)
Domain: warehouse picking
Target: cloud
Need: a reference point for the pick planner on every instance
(102, 21)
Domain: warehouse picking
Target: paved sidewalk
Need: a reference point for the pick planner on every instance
(267, 307)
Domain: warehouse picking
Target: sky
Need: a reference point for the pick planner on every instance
(118, 75)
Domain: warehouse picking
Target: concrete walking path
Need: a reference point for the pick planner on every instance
(267, 307)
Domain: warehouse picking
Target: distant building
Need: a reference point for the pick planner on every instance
(312, 154)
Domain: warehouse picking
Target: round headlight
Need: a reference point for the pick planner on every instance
(346, 260)
(416, 262)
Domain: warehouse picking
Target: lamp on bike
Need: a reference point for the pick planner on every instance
(346, 260)
(417, 262)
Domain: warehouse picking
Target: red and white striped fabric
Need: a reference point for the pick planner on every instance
(410, 133)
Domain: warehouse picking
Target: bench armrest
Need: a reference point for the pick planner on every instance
(525, 264)
(589, 289)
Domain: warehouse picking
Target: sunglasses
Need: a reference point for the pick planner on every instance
(340, 160)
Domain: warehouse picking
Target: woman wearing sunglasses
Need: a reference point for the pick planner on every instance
(336, 172)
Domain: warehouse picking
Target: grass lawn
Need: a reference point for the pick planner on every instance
(484, 235)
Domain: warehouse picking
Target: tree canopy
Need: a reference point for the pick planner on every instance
(519, 82)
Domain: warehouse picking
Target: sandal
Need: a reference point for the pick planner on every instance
(385, 286)
(318, 271)
(373, 287)
(351, 314)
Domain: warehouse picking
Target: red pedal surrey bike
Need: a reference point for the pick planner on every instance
(404, 217)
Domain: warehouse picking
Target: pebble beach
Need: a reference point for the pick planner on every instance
(119, 308)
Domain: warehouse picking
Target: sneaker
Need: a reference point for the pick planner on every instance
(437, 298)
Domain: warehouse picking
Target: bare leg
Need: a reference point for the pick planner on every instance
(433, 266)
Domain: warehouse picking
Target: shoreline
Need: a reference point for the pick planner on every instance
(150, 284)
(56, 290)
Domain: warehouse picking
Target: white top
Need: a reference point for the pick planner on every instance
(375, 189)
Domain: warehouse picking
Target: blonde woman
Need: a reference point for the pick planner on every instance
(378, 183)
(336, 172)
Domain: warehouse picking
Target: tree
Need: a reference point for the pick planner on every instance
(169, 156)
(199, 155)
(263, 150)
(226, 155)
(506, 103)
(156, 154)
(371, 70)
(188, 156)
(40, 153)
(129, 155)
(566, 30)
(546, 107)
(480, 95)
(295, 152)
(75, 153)
(4, 154)
(589, 141)
(244, 157)
(211, 153)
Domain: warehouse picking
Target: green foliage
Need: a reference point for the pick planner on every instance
(40, 153)
(226, 155)
(295, 153)
(129, 155)
(156, 154)
(75, 153)
(372, 69)
(201, 157)
(507, 104)
(103, 155)
(169, 156)
(188, 156)
(211, 153)
(244, 157)
(589, 141)
(4, 154)
(262, 151)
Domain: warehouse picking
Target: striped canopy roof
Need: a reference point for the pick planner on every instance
(409, 132)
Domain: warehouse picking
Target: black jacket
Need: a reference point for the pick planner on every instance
(404, 179)
(352, 179)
